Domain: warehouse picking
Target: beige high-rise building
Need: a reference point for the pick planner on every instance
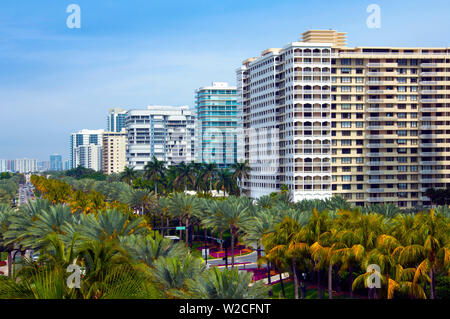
(114, 152)
(368, 123)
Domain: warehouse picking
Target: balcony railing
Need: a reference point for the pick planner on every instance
(429, 91)
(382, 172)
(431, 153)
(430, 144)
(381, 154)
(382, 190)
(381, 92)
(380, 181)
(382, 199)
(429, 73)
(381, 118)
(381, 64)
(428, 65)
(428, 82)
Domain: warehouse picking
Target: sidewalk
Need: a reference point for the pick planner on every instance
(274, 279)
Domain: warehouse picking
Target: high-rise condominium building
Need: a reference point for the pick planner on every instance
(25, 165)
(56, 163)
(368, 123)
(10, 166)
(3, 168)
(114, 152)
(216, 124)
(86, 149)
(43, 166)
(115, 122)
(166, 132)
(66, 165)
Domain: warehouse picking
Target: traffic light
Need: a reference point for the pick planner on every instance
(226, 244)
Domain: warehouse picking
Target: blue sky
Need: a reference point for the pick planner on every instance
(132, 53)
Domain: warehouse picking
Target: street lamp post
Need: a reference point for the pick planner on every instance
(206, 252)
(205, 247)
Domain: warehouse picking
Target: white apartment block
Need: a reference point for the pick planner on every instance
(25, 165)
(366, 123)
(166, 132)
(3, 168)
(86, 149)
(275, 130)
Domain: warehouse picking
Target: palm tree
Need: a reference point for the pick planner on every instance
(108, 226)
(350, 257)
(265, 201)
(102, 260)
(225, 181)
(154, 171)
(5, 214)
(147, 249)
(241, 171)
(226, 284)
(213, 217)
(128, 175)
(385, 255)
(39, 284)
(183, 206)
(29, 231)
(173, 273)
(405, 228)
(235, 214)
(139, 199)
(283, 244)
(337, 203)
(209, 174)
(387, 210)
(256, 227)
(324, 253)
(433, 253)
(197, 175)
(184, 175)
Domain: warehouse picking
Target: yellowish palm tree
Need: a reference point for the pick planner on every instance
(434, 253)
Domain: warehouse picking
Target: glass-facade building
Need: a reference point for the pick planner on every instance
(116, 120)
(217, 124)
(56, 163)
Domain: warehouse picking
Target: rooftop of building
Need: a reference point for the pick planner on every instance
(88, 131)
(217, 86)
(337, 41)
